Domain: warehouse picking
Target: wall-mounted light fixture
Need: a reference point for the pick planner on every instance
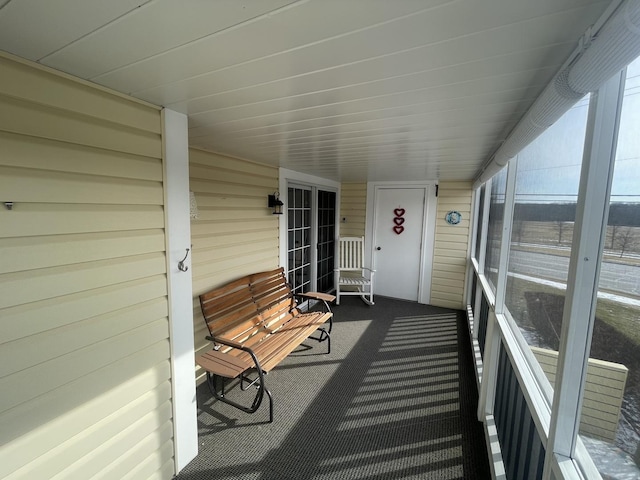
(275, 203)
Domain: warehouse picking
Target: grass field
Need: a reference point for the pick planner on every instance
(623, 318)
(537, 309)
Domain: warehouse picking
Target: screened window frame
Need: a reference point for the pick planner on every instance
(552, 418)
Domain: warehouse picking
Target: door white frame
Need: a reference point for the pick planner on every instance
(287, 177)
(428, 232)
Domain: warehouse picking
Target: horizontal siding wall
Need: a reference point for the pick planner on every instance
(450, 252)
(603, 393)
(84, 337)
(235, 233)
(353, 208)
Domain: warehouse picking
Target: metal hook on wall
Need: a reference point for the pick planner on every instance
(181, 266)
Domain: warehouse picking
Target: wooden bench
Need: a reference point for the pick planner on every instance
(254, 323)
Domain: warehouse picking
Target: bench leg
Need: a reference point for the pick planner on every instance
(211, 380)
(324, 337)
(266, 390)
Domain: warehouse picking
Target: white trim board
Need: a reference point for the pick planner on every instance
(180, 296)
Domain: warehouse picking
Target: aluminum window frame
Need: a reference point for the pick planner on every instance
(557, 421)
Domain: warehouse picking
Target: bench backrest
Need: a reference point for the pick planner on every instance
(250, 306)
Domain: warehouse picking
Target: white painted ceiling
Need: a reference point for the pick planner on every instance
(350, 90)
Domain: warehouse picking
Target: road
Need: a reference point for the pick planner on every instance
(617, 277)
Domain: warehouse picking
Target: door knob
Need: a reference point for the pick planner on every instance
(378, 248)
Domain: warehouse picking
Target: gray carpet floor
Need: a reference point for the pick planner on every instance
(395, 399)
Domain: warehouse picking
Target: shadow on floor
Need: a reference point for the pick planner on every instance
(396, 399)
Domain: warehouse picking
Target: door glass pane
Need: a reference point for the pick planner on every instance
(494, 227)
(546, 189)
(480, 196)
(299, 238)
(326, 240)
(610, 419)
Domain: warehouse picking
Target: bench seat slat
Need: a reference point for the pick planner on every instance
(276, 316)
(272, 348)
(225, 365)
(280, 344)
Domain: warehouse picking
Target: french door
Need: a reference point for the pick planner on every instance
(311, 222)
(326, 223)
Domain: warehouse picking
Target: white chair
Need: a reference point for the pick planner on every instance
(350, 275)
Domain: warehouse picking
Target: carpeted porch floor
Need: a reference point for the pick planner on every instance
(395, 399)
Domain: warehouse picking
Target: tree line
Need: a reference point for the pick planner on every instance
(620, 214)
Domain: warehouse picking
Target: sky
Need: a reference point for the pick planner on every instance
(549, 168)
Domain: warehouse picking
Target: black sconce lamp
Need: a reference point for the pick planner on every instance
(275, 203)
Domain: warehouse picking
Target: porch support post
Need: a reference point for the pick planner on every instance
(180, 295)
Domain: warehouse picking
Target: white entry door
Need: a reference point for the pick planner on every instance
(398, 230)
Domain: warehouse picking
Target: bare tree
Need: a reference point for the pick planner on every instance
(626, 240)
(517, 230)
(614, 232)
(560, 227)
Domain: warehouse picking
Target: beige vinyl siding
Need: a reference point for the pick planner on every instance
(450, 249)
(353, 208)
(603, 393)
(235, 233)
(84, 332)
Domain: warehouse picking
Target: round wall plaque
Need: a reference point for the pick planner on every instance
(453, 217)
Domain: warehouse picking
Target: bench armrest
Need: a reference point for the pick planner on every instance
(320, 297)
(224, 341)
(239, 346)
(325, 297)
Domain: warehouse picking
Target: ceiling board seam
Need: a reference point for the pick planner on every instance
(101, 27)
(367, 157)
(340, 144)
(346, 136)
(367, 133)
(440, 153)
(387, 95)
(357, 84)
(329, 117)
(360, 134)
(416, 145)
(375, 57)
(360, 113)
(286, 51)
(229, 28)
